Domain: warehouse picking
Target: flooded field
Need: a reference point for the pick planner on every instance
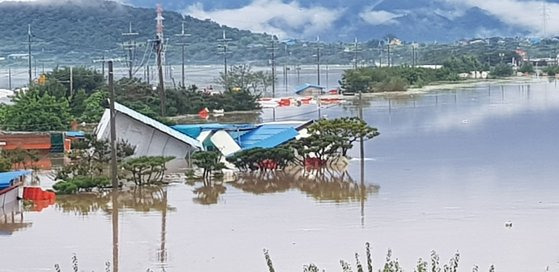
(449, 169)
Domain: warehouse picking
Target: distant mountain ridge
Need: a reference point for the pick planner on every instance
(417, 20)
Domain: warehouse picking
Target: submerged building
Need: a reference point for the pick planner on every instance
(149, 136)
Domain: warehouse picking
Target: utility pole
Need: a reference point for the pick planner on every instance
(103, 66)
(318, 60)
(318, 76)
(113, 127)
(355, 50)
(273, 50)
(112, 121)
(286, 68)
(29, 52)
(183, 35)
(130, 46)
(162, 96)
(298, 69)
(148, 73)
(389, 61)
(380, 49)
(10, 77)
(71, 81)
(224, 46)
(159, 47)
(414, 54)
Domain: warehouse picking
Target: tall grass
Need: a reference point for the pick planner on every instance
(390, 264)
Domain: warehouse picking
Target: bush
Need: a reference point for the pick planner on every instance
(551, 70)
(502, 70)
(263, 159)
(527, 68)
(209, 161)
(146, 170)
(81, 183)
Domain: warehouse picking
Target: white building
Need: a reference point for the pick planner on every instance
(150, 137)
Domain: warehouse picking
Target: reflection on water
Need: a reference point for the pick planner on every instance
(323, 185)
(11, 219)
(209, 192)
(139, 199)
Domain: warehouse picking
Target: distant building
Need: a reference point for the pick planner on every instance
(395, 42)
(309, 90)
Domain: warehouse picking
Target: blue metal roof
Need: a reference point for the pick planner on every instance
(195, 130)
(7, 177)
(268, 136)
(75, 134)
(301, 88)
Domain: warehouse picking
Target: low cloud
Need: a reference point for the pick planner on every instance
(527, 15)
(272, 16)
(379, 17)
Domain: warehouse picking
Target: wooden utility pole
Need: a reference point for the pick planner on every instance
(162, 96)
(113, 126)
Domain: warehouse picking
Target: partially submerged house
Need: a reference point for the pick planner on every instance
(309, 90)
(149, 136)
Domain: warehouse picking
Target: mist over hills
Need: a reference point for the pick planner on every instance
(339, 20)
(78, 31)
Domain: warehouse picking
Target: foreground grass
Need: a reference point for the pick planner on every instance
(390, 264)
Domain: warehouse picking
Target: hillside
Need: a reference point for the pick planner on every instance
(80, 31)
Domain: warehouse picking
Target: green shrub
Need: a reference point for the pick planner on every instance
(502, 70)
(81, 183)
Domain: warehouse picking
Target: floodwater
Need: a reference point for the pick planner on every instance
(449, 169)
(203, 76)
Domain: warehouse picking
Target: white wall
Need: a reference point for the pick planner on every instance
(147, 140)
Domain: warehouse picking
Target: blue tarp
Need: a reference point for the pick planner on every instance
(7, 177)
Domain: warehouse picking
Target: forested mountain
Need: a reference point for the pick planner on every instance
(80, 31)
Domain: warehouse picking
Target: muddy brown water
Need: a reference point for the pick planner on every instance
(449, 169)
